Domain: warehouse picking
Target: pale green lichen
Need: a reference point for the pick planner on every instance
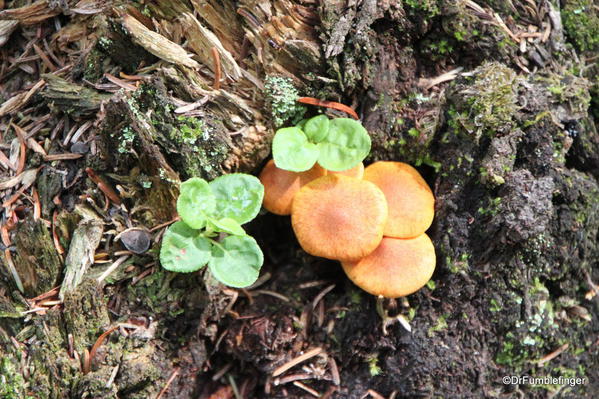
(281, 100)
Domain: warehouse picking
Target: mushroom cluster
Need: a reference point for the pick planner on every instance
(373, 220)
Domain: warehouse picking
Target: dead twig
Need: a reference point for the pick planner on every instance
(168, 382)
(92, 352)
(329, 104)
(13, 270)
(57, 244)
(553, 354)
(103, 186)
(217, 68)
(307, 389)
(294, 362)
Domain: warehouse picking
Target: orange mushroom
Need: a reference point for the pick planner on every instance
(411, 201)
(357, 171)
(339, 217)
(398, 267)
(280, 186)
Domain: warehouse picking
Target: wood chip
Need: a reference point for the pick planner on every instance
(16, 102)
(157, 44)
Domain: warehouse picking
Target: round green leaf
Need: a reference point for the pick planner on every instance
(317, 128)
(346, 145)
(184, 249)
(238, 196)
(292, 151)
(227, 225)
(196, 201)
(236, 261)
(301, 123)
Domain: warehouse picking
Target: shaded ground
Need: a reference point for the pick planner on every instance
(94, 99)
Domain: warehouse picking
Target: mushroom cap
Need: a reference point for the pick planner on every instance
(410, 199)
(280, 186)
(339, 217)
(357, 171)
(398, 267)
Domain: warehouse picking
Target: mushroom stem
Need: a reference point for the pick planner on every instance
(388, 320)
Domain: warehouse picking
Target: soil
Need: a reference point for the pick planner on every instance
(106, 106)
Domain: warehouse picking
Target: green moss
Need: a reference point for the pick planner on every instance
(195, 146)
(373, 365)
(12, 383)
(490, 101)
(495, 305)
(581, 22)
(93, 69)
(439, 326)
(458, 265)
(430, 8)
(281, 100)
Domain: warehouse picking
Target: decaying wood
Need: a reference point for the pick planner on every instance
(80, 256)
(35, 259)
(31, 14)
(6, 28)
(75, 100)
(157, 44)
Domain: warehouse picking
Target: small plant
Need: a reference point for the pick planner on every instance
(337, 145)
(210, 231)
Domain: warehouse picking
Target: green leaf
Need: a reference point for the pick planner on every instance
(292, 151)
(238, 196)
(184, 249)
(346, 145)
(227, 225)
(317, 128)
(236, 261)
(302, 123)
(196, 201)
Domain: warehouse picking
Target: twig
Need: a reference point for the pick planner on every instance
(302, 358)
(67, 156)
(328, 104)
(168, 382)
(321, 295)
(165, 224)
(553, 354)
(217, 68)
(57, 244)
(102, 185)
(37, 206)
(271, 293)
(92, 352)
(112, 267)
(234, 387)
(13, 270)
(307, 389)
(334, 371)
(47, 294)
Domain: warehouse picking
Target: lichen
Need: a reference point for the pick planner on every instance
(281, 100)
